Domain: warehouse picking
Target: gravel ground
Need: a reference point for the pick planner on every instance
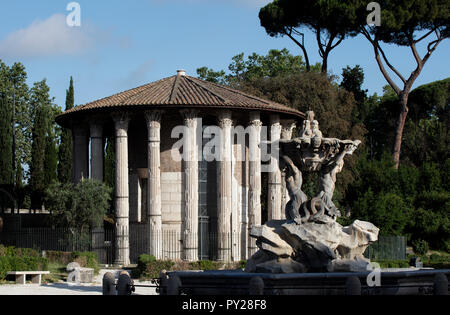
(65, 289)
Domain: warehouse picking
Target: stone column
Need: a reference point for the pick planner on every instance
(254, 200)
(153, 119)
(274, 194)
(96, 151)
(236, 199)
(80, 154)
(287, 126)
(190, 164)
(224, 201)
(121, 121)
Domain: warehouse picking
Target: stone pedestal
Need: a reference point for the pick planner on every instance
(153, 119)
(121, 121)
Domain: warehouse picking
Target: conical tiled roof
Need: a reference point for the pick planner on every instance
(182, 91)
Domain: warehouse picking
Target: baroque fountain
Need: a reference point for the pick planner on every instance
(310, 239)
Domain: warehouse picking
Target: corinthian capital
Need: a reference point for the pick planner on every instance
(190, 117)
(121, 119)
(225, 119)
(255, 119)
(153, 118)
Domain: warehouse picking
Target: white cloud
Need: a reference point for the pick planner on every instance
(51, 37)
(138, 76)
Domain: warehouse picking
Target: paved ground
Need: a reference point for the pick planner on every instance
(64, 289)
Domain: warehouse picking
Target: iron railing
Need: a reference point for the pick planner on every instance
(387, 248)
(171, 242)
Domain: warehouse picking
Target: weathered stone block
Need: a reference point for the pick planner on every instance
(86, 275)
(358, 264)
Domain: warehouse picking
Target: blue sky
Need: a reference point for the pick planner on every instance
(124, 44)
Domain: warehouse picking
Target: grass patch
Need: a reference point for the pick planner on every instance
(435, 259)
(84, 259)
(393, 263)
(58, 273)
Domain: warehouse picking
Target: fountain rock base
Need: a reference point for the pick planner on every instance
(315, 246)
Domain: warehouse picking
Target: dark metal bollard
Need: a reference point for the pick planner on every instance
(353, 286)
(109, 285)
(256, 286)
(440, 284)
(163, 283)
(174, 285)
(124, 284)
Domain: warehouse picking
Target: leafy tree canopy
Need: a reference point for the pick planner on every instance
(78, 207)
(275, 63)
(331, 21)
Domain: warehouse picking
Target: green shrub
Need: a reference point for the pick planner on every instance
(7, 251)
(205, 265)
(437, 261)
(436, 258)
(27, 252)
(27, 263)
(393, 263)
(420, 247)
(5, 267)
(153, 268)
(143, 260)
(437, 265)
(85, 259)
(2, 250)
(20, 260)
(62, 258)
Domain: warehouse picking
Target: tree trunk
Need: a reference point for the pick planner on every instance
(400, 125)
(325, 63)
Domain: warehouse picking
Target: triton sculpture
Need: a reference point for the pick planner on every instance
(310, 239)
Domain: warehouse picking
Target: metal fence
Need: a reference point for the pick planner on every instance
(172, 243)
(140, 236)
(103, 241)
(387, 248)
(62, 239)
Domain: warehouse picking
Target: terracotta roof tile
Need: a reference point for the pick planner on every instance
(183, 91)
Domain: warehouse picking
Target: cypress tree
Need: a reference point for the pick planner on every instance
(51, 159)
(40, 101)
(23, 120)
(51, 151)
(65, 147)
(6, 171)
